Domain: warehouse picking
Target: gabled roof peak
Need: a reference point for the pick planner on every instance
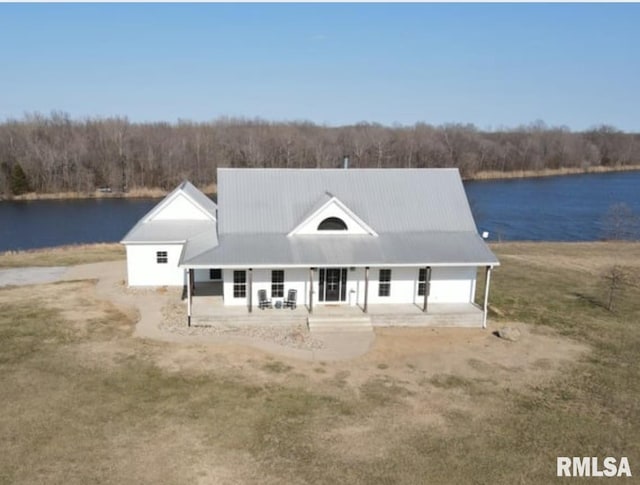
(198, 200)
(330, 207)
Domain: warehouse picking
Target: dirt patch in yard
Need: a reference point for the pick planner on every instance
(411, 355)
(473, 353)
(426, 380)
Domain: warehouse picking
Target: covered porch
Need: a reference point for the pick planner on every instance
(208, 308)
(205, 306)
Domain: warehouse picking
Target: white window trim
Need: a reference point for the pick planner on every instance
(162, 255)
(333, 200)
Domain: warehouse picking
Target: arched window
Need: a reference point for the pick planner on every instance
(332, 224)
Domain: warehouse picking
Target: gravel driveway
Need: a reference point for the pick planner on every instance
(31, 275)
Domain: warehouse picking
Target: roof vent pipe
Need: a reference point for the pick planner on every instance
(345, 163)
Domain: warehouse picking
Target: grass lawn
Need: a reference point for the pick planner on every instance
(84, 402)
(63, 256)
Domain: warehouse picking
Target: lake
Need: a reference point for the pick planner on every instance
(567, 208)
(564, 208)
(45, 223)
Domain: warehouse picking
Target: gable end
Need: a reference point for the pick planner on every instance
(179, 206)
(332, 218)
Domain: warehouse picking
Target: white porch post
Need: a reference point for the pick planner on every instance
(188, 297)
(427, 287)
(250, 294)
(487, 281)
(310, 290)
(366, 289)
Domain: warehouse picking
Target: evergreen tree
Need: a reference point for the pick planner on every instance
(19, 183)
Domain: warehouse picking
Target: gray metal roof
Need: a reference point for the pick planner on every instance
(199, 197)
(421, 216)
(146, 231)
(274, 201)
(277, 250)
(167, 231)
(200, 244)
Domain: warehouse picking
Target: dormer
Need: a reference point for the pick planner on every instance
(184, 203)
(332, 217)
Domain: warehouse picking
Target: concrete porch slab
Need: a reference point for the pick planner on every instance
(209, 309)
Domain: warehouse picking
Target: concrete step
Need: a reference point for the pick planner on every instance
(254, 319)
(339, 324)
(429, 320)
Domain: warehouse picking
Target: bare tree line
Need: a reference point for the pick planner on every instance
(58, 154)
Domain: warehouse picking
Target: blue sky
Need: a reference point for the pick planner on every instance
(497, 65)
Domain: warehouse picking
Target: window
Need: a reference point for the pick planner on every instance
(161, 257)
(384, 286)
(277, 283)
(332, 224)
(240, 284)
(422, 281)
(215, 274)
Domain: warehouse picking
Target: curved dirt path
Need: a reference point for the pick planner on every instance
(111, 286)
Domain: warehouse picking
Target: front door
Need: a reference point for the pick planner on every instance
(332, 283)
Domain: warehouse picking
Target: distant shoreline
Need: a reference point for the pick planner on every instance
(550, 172)
(157, 193)
(138, 193)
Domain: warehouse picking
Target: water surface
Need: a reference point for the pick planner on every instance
(563, 208)
(45, 223)
(566, 208)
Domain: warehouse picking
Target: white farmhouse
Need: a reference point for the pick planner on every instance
(373, 239)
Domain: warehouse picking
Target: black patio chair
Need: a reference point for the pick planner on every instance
(263, 301)
(290, 301)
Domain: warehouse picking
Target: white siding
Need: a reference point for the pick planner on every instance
(143, 269)
(448, 285)
(404, 286)
(294, 279)
(453, 285)
(181, 208)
